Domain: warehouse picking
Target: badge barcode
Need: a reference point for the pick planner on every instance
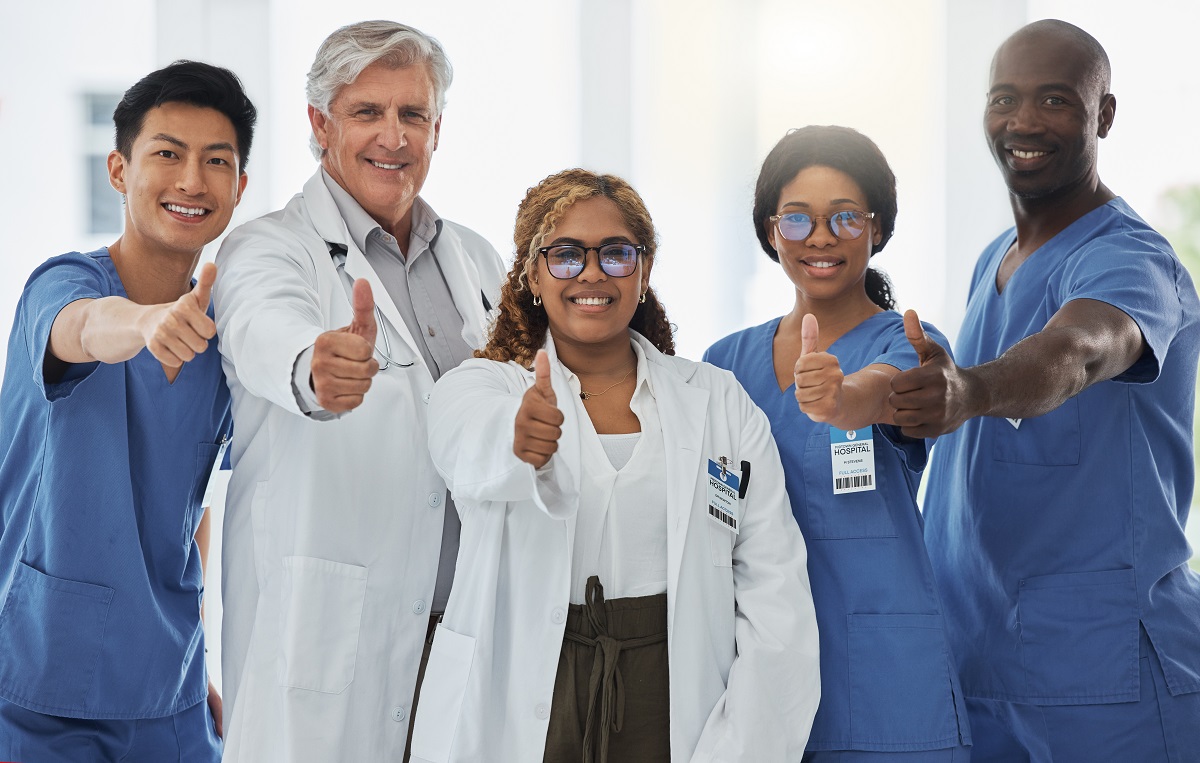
(722, 516)
(858, 480)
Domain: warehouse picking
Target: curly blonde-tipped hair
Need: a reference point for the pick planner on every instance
(520, 329)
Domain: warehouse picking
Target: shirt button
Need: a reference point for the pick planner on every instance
(418, 607)
(399, 714)
(431, 331)
(542, 711)
(558, 616)
(435, 499)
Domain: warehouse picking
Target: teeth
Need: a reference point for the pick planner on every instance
(592, 300)
(383, 166)
(820, 264)
(191, 211)
(1027, 154)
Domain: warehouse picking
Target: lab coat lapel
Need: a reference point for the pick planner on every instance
(328, 222)
(569, 452)
(683, 410)
(463, 279)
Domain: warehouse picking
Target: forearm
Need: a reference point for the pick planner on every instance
(1041, 372)
(108, 330)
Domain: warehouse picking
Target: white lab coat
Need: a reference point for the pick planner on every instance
(333, 527)
(742, 634)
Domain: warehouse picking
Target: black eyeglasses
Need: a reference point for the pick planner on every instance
(569, 260)
(846, 225)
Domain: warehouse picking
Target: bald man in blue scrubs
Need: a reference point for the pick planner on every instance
(1057, 502)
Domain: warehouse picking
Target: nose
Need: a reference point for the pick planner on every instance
(191, 177)
(592, 272)
(392, 135)
(822, 235)
(1023, 120)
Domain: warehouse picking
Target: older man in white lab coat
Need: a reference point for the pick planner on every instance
(336, 315)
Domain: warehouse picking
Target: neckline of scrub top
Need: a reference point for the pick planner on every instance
(770, 338)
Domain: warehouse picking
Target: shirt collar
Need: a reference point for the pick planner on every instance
(643, 385)
(426, 227)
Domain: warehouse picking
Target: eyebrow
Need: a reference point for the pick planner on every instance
(565, 241)
(806, 205)
(1040, 88)
(222, 146)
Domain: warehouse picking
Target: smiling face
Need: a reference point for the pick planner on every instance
(1047, 108)
(379, 138)
(593, 307)
(181, 179)
(824, 267)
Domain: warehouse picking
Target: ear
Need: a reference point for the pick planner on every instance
(772, 232)
(437, 131)
(647, 266)
(241, 188)
(320, 126)
(116, 170)
(1108, 112)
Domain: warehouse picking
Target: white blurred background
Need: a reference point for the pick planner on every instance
(682, 97)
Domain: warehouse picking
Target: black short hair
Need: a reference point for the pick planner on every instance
(843, 149)
(194, 83)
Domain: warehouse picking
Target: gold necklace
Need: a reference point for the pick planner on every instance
(584, 394)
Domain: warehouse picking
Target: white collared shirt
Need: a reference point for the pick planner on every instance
(621, 526)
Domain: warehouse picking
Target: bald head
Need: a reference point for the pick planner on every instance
(1067, 41)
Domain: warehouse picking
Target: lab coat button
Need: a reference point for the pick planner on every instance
(418, 607)
(426, 398)
(558, 616)
(542, 711)
(399, 714)
(435, 499)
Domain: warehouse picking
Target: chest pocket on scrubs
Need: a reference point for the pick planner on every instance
(851, 515)
(206, 456)
(1051, 439)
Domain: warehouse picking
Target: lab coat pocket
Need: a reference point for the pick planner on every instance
(52, 631)
(322, 603)
(900, 690)
(442, 693)
(850, 515)
(1079, 637)
(1051, 439)
(720, 539)
(206, 455)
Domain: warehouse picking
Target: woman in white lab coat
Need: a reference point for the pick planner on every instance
(631, 585)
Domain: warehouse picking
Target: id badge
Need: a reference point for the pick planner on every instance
(723, 487)
(210, 488)
(853, 460)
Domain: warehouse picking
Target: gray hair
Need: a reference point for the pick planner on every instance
(348, 51)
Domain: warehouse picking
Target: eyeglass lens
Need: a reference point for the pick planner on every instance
(846, 225)
(569, 260)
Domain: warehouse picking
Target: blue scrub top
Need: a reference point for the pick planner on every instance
(1054, 539)
(101, 477)
(887, 676)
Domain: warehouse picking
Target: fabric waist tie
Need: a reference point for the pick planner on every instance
(606, 688)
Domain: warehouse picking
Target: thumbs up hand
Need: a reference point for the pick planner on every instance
(539, 421)
(931, 399)
(818, 375)
(177, 331)
(343, 362)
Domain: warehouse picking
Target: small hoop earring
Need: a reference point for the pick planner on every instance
(536, 300)
(642, 299)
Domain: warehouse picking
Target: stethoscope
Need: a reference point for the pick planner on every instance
(338, 253)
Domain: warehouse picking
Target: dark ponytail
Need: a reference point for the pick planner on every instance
(879, 289)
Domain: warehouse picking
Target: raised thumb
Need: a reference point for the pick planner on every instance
(810, 333)
(363, 302)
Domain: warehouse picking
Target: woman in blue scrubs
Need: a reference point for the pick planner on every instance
(824, 204)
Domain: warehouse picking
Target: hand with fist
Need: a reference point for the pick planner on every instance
(935, 397)
(343, 361)
(818, 375)
(539, 421)
(177, 331)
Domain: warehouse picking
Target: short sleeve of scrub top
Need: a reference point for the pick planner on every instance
(55, 284)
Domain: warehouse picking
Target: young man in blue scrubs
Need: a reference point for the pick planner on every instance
(112, 414)
(1056, 507)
